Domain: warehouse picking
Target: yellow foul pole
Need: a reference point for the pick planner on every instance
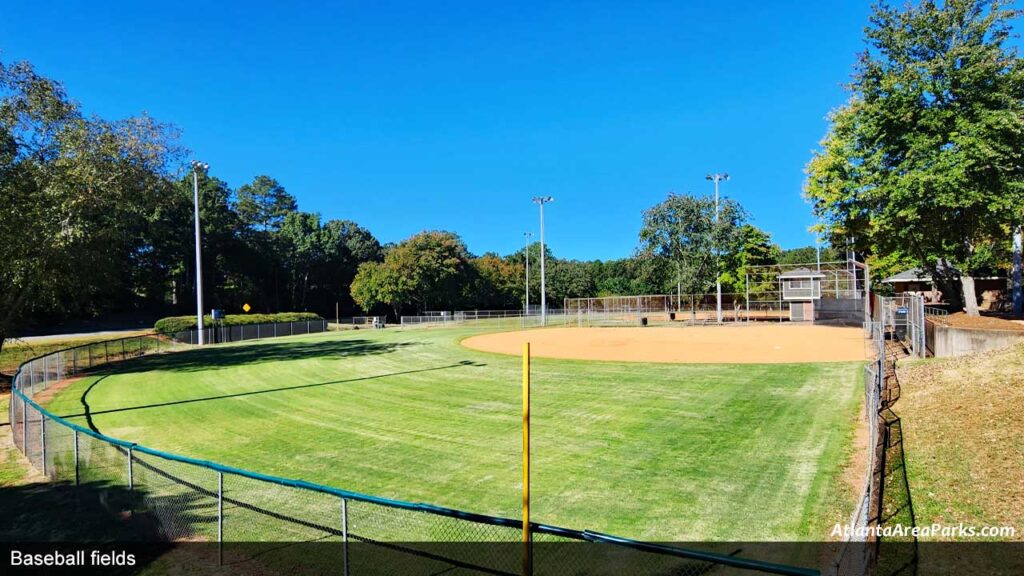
(525, 442)
(527, 568)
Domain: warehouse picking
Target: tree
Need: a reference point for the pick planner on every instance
(808, 254)
(497, 285)
(755, 248)
(428, 271)
(78, 195)
(683, 231)
(379, 283)
(927, 157)
(568, 279)
(346, 245)
(304, 250)
(264, 204)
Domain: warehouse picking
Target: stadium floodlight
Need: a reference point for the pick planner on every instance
(196, 167)
(528, 235)
(716, 178)
(542, 200)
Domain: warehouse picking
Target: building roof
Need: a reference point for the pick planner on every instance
(910, 275)
(919, 275)
(801, 273)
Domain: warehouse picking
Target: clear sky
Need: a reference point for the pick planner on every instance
(439, 115)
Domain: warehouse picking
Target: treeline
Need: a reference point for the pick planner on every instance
(434, 270)
(97, 219)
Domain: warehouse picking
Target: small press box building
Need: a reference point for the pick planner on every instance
(801, 288)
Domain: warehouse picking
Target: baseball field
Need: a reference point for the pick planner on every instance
(669, 449)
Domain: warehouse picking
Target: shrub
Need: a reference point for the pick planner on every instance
(174, 324)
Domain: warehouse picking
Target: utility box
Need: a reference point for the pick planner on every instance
(900, 322)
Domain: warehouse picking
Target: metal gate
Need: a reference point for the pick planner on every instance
(903, 317)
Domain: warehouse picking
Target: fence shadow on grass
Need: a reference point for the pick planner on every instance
(897, 555)
(261, 351)
(89, 413)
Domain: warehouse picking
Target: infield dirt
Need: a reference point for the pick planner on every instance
(734, 344)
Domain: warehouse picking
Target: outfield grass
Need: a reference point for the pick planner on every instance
(649, 451)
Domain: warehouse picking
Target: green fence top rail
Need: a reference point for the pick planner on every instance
(584, 535)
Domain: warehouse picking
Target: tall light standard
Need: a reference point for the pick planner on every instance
(196, 167)
(542, 200)
(1018, 289)
(528, 235)
(817, 248)
(716, 178)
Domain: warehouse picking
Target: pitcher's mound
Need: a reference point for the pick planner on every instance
(740, 344)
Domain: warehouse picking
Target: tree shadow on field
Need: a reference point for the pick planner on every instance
(41, 517)
(89, 412)
(216, 357)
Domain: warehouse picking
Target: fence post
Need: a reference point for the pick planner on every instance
(258, 331)
(42, 439)
(24, 426)
(344, 535)
(131, 470)
(291, 328)
(77, 481)
(275, 329)
(106, 353)
(74, 360)
(46, 370)
(220, 518)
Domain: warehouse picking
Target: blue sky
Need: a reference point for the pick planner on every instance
(438, 115)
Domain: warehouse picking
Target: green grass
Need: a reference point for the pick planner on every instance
(648, 451)
(14, 352)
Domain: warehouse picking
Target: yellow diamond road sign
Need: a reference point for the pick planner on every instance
(246, 307)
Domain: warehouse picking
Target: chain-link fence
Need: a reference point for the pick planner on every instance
(197, 501)
(666, 309)
(896, 328)
(219, 334)
(903, 318)
(498, 319)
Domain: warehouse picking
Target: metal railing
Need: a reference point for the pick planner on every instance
(196, 500)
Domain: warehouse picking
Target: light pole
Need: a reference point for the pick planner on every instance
(196, 167)
(528, 235)
(716, 178)
(1018, 290)
(817, 248)
(542, 200)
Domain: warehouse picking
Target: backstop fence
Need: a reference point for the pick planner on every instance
(821, 292)
(199, 501)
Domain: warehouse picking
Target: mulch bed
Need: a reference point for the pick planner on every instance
(962, 320)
